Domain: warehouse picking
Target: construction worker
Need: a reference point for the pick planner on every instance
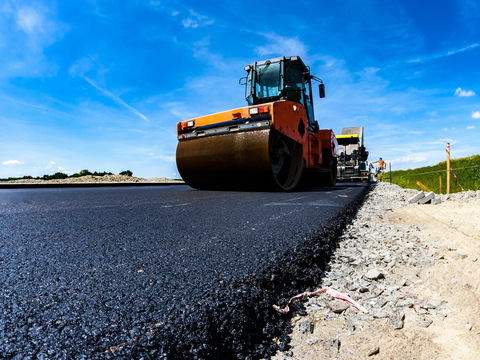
(381, 167)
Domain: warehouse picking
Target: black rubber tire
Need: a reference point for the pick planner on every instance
(329, 176)
(286, 159)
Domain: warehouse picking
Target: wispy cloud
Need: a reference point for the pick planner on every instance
(115, 98)
(443, 54)
(417, 159)
(195, 20)
(30, 20)
(81, 66)
(167, 158)
(89, 64)
(12, 162)
(476, 115)
(464, 93)
(26, 30)
(277, 45)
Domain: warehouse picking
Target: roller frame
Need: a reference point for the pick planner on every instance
(223, 167)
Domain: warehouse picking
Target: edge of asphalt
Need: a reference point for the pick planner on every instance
(86, 184)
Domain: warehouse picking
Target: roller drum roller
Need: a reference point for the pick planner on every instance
(260, 159)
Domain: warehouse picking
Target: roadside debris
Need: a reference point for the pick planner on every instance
(422, 198)
(332, 292)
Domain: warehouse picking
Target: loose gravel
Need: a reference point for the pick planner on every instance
(367, 266)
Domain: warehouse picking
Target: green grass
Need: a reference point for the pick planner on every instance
(467, 171)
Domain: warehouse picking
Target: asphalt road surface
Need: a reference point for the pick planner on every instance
(159, 272)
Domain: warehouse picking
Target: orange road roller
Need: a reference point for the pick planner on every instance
(273, 144)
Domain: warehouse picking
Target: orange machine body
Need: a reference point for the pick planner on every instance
(287, 117)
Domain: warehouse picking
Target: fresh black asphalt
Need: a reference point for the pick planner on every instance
(159, 272)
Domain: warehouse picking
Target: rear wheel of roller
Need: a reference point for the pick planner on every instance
(324, 176)
(286, 159)
(329, 177)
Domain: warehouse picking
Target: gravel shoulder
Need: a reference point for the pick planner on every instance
(415, 268)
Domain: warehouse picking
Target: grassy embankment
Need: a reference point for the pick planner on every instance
(467, 171)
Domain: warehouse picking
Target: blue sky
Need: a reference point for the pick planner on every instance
(100, 85)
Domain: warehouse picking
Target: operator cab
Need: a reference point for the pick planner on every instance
(284, 78)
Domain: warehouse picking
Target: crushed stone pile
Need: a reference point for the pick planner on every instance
(468, 196)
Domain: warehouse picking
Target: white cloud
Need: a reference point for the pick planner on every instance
(196, 20)
(30, 20)
(464, 93)
(115, 98)
(189, 23)
(417, 159)
(12, 162)
(168, 158)
(471, 127)
(26, 30)
(278, 45)
(476, 115)
(81, 66)
(444, 54)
